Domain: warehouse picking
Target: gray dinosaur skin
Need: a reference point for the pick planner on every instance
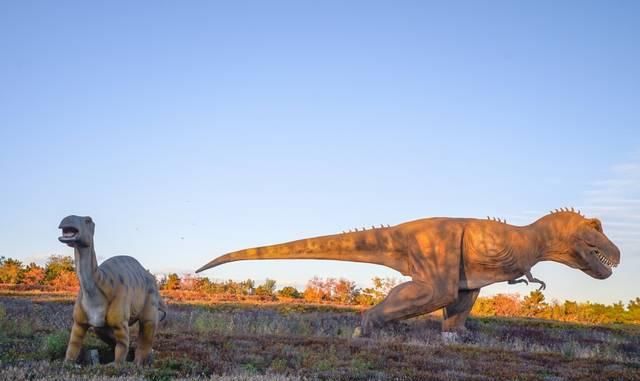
(451, 259)
(113, 296)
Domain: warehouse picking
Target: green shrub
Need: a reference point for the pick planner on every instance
(54, 345)
(324, 365)
(279, 365)
(250, 368)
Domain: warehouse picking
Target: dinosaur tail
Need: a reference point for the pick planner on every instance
(378, 246)
(162, 307)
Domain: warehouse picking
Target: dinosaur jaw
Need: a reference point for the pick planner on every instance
(599, 266)
(69, 235)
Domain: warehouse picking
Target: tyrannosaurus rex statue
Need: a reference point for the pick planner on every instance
(450, 259)
(112, 297)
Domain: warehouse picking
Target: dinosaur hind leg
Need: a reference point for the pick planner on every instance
(148, 325)
(406, 300)
(145, 340)
(455, 314)
(121, 334)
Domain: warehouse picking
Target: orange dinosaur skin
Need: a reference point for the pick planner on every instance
(451, 259)
(112, 297)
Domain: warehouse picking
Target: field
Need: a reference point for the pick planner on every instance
(308, 342)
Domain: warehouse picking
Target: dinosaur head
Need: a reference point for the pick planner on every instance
(77, 231)
(595, 252)
(587, 247)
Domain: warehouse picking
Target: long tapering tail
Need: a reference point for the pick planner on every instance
(380, 246)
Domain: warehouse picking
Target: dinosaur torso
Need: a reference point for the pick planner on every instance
(472, 252)
(494, 252)
(121, 279)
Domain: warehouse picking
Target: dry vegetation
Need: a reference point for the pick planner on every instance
(296, 341)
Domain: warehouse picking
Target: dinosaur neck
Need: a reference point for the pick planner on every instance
(550, 241)
(86, 268)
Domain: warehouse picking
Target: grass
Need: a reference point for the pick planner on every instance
(274, 342)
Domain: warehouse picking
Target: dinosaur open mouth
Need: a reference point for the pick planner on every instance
(68, 234)
(604, 260)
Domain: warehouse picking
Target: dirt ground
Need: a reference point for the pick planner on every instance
(293, 342)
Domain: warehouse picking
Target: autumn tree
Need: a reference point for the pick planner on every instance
(65, 281)
(248, 287)
(374, 295)
(202, 285)
(344, 291)
(268, 288)
(57, 264)
(316, 290)
(483, 307)
(533, 305)
(171, 282)
(633, 308)
(497, 305)
(289, 292)
(11, 271)
(506, 305)
(33, 275)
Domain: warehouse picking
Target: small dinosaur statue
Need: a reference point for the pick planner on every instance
(112, 297)
(451, 259)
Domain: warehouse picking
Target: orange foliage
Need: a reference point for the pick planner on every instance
(506, 305)
(65, 281)
(33, 275)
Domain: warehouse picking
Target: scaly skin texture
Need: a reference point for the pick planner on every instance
(451, 259)
(112, 297)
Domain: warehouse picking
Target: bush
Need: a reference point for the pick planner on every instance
(54, 345)
(267, 288)
(290, 292)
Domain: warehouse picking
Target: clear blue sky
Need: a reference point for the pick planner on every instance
(187, 130)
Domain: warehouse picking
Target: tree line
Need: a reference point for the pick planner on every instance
(59, 274)
(317, 290)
